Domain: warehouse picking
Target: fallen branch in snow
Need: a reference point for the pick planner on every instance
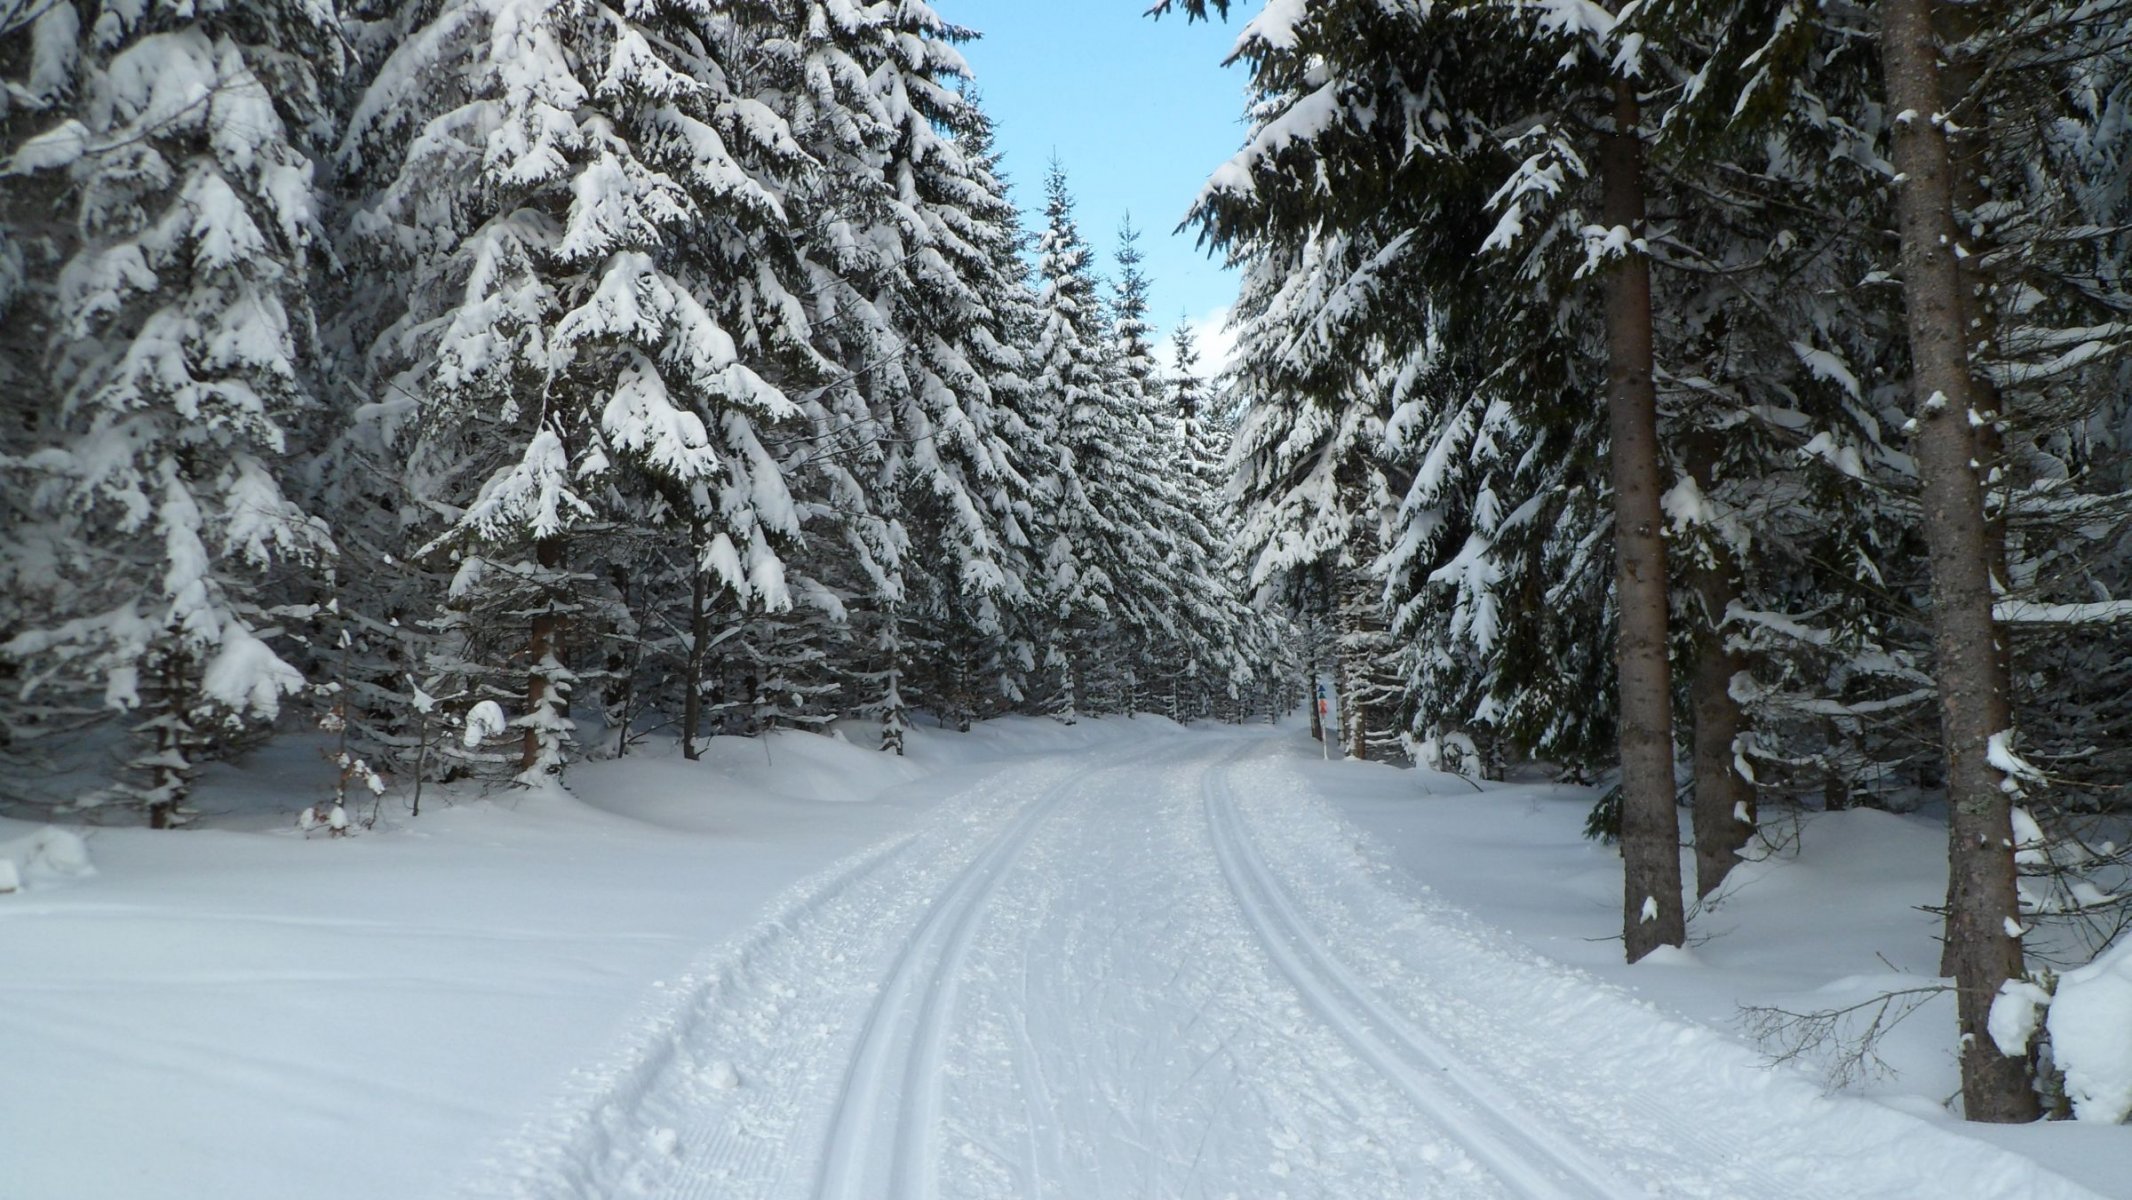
(1845, 1040)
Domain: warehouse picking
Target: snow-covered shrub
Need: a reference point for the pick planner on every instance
(1453, 752)
(50, 852)
(484, 721)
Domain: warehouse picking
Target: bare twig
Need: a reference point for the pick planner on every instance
(1844, 1041)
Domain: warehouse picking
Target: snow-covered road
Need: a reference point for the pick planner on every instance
(1165, 968)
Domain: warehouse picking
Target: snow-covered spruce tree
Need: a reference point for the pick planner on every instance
(1132, 640)
(1842, 666)
(582, 208)
(1503, 142)
(1775, 408)
(968, 443)
(1200, 447)
(914, 509)
(2039, 149)
(1496, 567)
(809, 664)
(1604, 83)
(1077, 414)
(845, 644)
(39, 48)
(172, 147)
(1200, 450)
(1970, 671)
(954, 441)
(1370, 663)
(1311, 473)
(1179, 617)
(2026, 329)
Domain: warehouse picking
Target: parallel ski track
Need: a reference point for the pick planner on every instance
(903, 1040)
(595, 1144)
(1463, 1105)
(570, 1155)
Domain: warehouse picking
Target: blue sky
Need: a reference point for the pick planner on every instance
(1139, 111)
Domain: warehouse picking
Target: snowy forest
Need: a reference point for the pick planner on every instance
(1725, 404)
(1776, 349)
(498, 384)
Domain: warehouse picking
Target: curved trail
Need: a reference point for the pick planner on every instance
(1162, 968)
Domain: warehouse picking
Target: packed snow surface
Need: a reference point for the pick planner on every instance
(1118, 960)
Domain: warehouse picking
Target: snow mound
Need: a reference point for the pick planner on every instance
(2091, 1036)
(47, 853)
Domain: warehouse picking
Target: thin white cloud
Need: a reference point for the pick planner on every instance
(1214, 340)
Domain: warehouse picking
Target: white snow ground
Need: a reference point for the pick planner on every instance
(1117, 960)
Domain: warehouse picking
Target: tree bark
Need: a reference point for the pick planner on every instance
(1652, 912)
(1724, 814)
(1971, 671)
(1957, 76)
(699, 636)
(543, 649)
(1314, 689)
(1352, 648)
(170, 770)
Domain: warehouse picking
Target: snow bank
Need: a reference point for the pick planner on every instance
(1659, 1105)
(47, 853)
(1837, 926)
(2091, 1036)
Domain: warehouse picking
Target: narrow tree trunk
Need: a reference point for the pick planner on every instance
(1065, 705)
(1352, 650)
(546, 700)
(1971, 675)
(1340, 692)
(893, 717)
(1953, 24)
(170, 766)
(699, 637)
(1314, 692)
(619, 691)
(1652, 912)
(1724, 801)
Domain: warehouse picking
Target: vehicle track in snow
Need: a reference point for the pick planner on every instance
(1453, 1095)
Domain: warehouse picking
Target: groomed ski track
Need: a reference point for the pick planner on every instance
(1166, 968)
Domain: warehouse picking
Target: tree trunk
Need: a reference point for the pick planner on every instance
(170, 767)
(1351, 648)
(547, 699)
(1953, 24)
(894, 718)
(619, 690)
(1971, 672)
(1338, 691)
(699, 636)
(1314, 691)
(1724, 801)
(1652, 912)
